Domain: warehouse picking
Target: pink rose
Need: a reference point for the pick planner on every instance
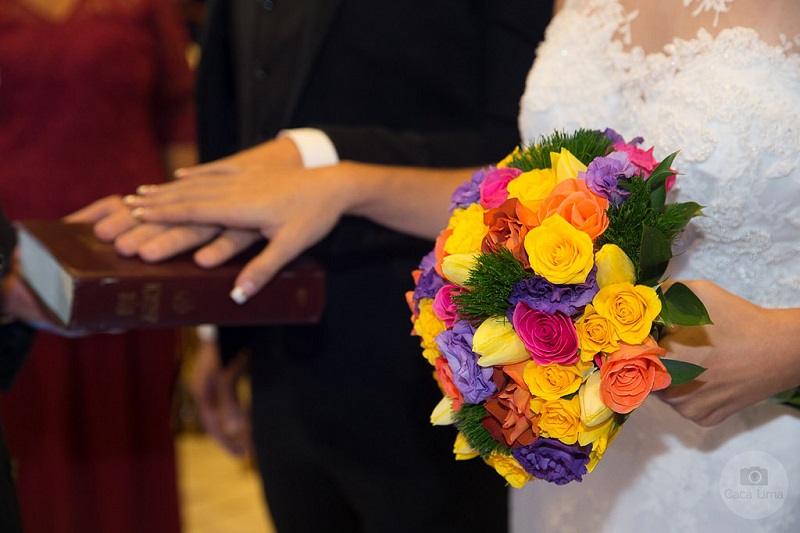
(643, 160)
(443, 305)
(494, 188)
(549, 338)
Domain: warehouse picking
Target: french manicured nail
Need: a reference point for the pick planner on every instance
(137, 212)
(130, 199)
(239, 295)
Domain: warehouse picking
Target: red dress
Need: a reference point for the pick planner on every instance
(86, 106)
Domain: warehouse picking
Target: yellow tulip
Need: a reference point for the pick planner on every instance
(498, 344)
(462, 449)
(457, 267)
(566, 165)
(613, 266)
(442, 414)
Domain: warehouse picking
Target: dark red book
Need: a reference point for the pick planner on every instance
(88, 286)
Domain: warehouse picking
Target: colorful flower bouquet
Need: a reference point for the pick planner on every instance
(541, 304)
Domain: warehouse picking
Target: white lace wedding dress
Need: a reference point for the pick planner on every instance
(729, 98)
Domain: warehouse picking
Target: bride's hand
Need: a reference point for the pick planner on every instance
(292, 207)
(749, 354)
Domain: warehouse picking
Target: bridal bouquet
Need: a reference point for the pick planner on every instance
(540, 306)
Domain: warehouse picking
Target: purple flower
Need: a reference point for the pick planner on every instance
(554, 461)
(429, 281)
(540, 294)
(474, 382)
(469, 192)
(615, 138)
(604, 174)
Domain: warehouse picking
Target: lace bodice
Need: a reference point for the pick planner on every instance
(726, 99)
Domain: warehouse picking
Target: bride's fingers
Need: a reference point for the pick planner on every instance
(258, 272)
(229, 243)
(176, 240)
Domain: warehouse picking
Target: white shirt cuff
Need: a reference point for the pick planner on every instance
(315, 147)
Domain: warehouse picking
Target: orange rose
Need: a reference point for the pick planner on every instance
(506, 230)
(631, 373)
(509, 418)
(579, 206)
(439, 249)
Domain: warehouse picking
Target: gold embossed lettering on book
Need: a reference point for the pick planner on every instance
(88, 286)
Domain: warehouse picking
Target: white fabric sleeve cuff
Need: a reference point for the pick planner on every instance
(315, 147)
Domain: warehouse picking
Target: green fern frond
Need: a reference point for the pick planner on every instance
(469, 421)
(583, 144)
(490, 284)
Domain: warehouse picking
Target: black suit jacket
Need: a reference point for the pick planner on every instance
(419, 82)
(421, 96)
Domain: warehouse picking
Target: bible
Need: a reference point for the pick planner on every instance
(87, 285)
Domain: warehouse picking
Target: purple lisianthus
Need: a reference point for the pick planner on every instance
(469, 192)
(474, 382)
(615, 138)
(429, 281)
(540, 294)
(554, 461)
(604, 174)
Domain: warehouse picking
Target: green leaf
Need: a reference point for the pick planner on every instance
(654, 256)
(658, 177)
(681, 371)
(680, 306)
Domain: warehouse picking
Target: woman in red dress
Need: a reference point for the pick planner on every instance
(95, 99)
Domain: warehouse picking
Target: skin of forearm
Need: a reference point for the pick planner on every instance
(407, 199)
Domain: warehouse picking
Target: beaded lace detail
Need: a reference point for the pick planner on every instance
(730, 103)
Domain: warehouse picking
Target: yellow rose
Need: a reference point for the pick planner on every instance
(498, 344)
(593, 411)
(552, 381)
(457, 268)
(559, 419)
(630, 308)
(595, 334)
(442, 414)
(509, 468)
(613, 266)
(532, 187)
(428, 326)
(566, 165)
(559, 252)
(468, 230)
(610, 431)
(462, 449)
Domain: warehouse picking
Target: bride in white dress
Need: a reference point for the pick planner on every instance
(718, 80)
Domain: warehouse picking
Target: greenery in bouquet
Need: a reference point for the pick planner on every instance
(541, 305)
